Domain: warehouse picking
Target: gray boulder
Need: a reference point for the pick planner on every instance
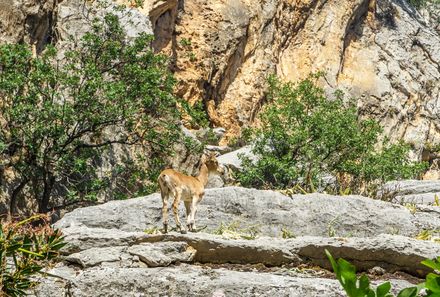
(80, 238)
(423, 198)
(107, 254)
(390, 252)
(185, 280)
(407, 187)
(75, 18)
(189, 280)
(96, 255)
(163, 253)
(232, 159)
(416, 192)
(267, 211)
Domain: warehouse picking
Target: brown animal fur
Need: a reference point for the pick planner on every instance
(187, 188)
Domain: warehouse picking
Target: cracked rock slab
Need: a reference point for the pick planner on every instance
(391, 252)
(95, 256)
(80, 238)
(267, 211)
(163, 253)
(411, 187)
(188, 280)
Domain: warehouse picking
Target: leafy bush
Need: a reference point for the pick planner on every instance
(58, 117)
(197, 113)
(304, 135)
(361, 287)
(422, 3)
(24, 252)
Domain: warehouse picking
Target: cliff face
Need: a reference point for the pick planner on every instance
(381, 53)
(29, 21)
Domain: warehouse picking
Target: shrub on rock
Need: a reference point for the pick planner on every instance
(304, 135)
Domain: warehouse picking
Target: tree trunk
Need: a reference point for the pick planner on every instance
(49, 181)
(14, 197)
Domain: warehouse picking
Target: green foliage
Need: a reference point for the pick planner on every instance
(185, 42)
(287, 234)
(432, 283)
(304, 135)
(134, 178)
(422, 3)
(197, 113)
(24, 252)
(58, 118)
(138, 3)
(360, 286)
(243, 139)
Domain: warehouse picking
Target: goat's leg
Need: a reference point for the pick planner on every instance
(176, 203)
(165, 211)
(188, 214)
(193, 207)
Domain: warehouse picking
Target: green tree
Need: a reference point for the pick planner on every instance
(57, 116)
(304, 135)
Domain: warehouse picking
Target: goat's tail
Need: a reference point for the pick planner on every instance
(164, 184)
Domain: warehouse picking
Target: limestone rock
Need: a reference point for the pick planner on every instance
(407, 187)
(30, 21)
(215, 181)
(96, 255)
(187, 281)
(163, 254)
(109, 255)
(190, 280)
(75, 18)
(83, 238)
(390, 252)
(232, 159)
(422, 198)
(413, 191)
(383, 55)
(267, 211)
(385, 253)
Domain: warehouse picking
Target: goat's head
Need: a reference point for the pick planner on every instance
(210, 161)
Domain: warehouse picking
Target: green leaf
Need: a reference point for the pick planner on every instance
(332, 261)
(383, 289)
(433, 283)
(408, 292)
(434, 264)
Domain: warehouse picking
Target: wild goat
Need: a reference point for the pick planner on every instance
(187, 188)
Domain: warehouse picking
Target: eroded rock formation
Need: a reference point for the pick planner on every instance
(383, 55)
(382, 52)
(111, 254)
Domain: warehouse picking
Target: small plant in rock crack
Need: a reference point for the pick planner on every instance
(233, 230)
(24, 252)
(287, 234)
(361, 287)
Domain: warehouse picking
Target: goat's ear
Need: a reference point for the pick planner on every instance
(203, 159)
(214, 154)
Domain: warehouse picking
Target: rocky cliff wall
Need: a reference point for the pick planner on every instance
(382, 52)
